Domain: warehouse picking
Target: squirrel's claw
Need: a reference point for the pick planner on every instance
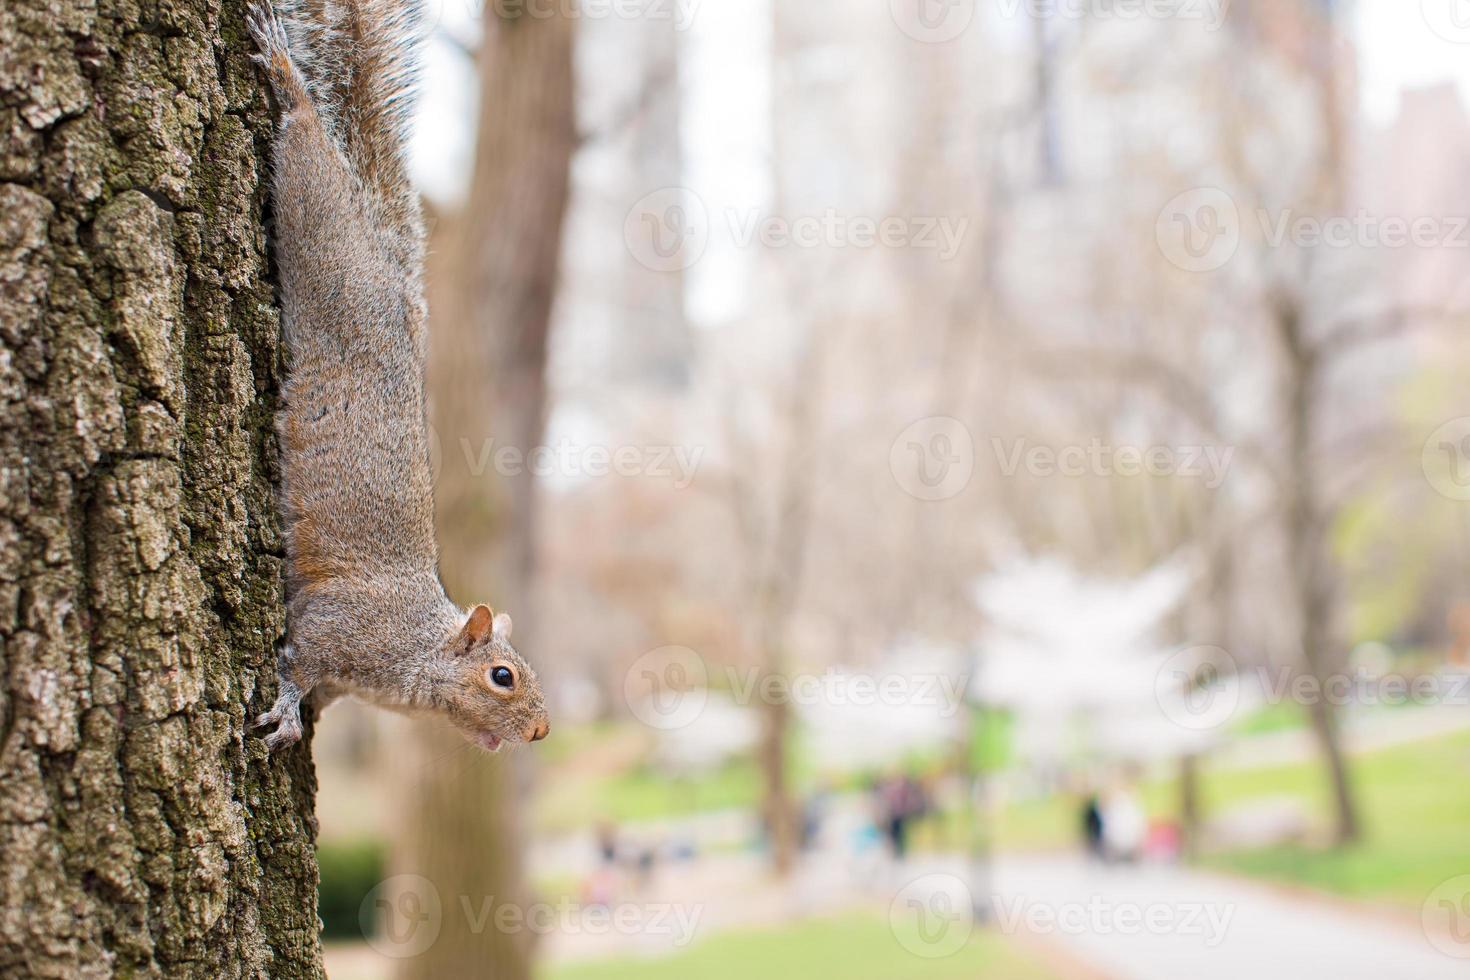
(285, 714)
(287, 733)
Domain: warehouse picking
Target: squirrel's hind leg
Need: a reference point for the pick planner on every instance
(285, 714)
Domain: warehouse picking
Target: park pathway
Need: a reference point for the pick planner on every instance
(1163, 923)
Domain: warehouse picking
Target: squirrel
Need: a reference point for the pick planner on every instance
(367, 613)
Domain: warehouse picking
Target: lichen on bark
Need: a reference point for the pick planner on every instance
(142, 831)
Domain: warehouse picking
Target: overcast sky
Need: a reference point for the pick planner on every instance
(725, 140)
(1401, 44)
(1410, 44)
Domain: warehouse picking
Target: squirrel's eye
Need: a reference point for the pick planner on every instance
(502, 677)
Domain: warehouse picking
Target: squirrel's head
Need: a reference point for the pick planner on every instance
(497, 697)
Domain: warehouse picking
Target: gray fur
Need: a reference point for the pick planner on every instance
(367, 612)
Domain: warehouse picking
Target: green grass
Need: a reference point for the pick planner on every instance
(642, 793)
(1278, 716)
(854, 947)
(1415, 803)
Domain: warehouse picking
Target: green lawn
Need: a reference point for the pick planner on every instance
(855, 947)
(1415, 806)
(1415, 802)
(574, 798)
(643, 794)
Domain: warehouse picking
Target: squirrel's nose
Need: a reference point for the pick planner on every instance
(539, 732)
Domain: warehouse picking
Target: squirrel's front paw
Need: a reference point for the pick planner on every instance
(274, 55)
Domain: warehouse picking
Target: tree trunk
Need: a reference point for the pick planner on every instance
(1309, 566)
(142, 833)
(777, 594)
(1189, 809)
(490, 366)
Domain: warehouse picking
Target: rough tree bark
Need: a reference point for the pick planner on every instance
(490, 334)
(141, 832)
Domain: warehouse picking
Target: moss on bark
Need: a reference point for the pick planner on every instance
(142, 833)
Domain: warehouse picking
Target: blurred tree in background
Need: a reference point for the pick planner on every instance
(491, 315)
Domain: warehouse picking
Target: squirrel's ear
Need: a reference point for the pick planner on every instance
(477, 627)
(501, 627)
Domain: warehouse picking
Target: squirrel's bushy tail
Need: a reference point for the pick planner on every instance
(361, 62)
